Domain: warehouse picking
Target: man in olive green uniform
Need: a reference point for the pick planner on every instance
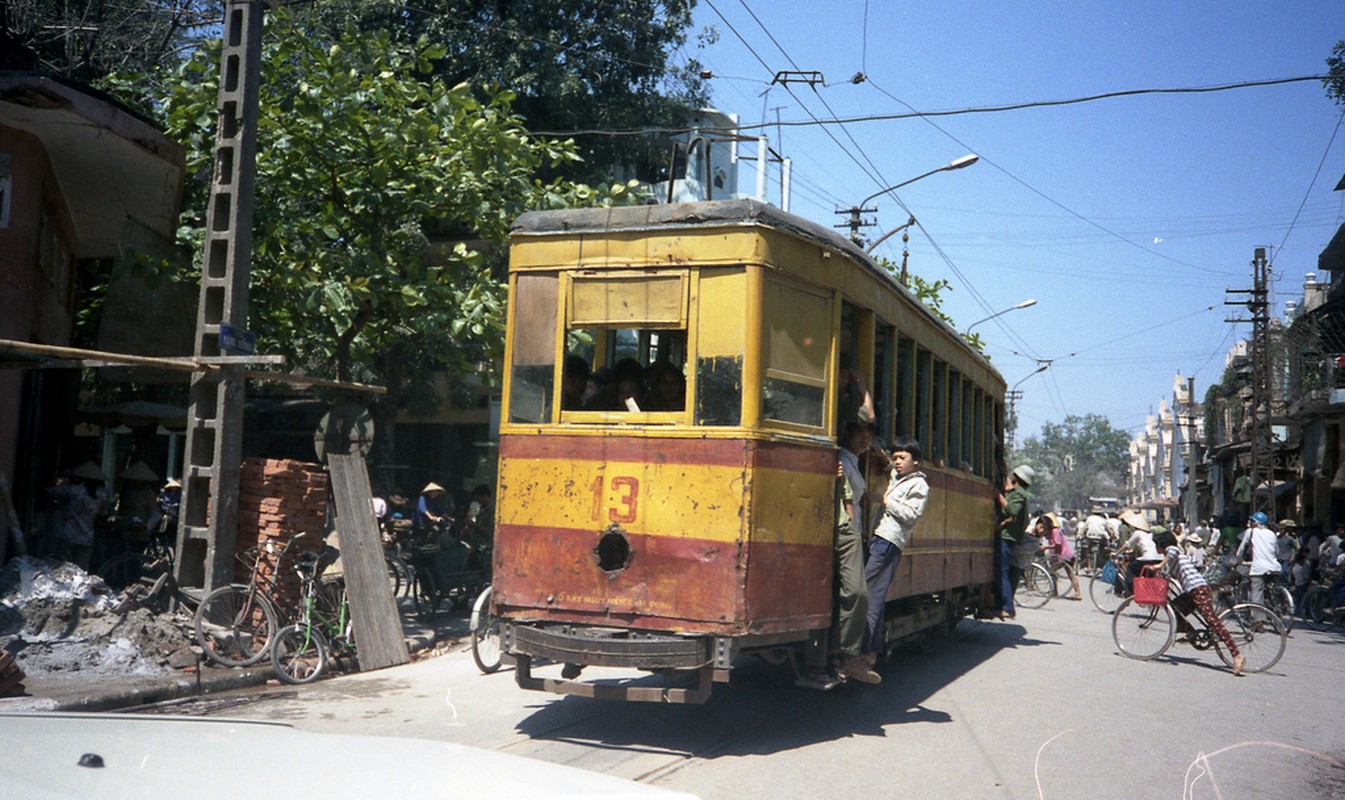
(1010, 531)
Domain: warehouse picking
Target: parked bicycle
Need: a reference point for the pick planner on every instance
(147, 555)
(235, 624)
(1146, 631)
(303, 651)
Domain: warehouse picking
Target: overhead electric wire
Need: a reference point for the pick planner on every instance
(1312, 182)
(812, 121)
(1045, 196)
(767, 67)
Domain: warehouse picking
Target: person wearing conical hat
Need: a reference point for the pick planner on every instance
(79, 499)
(1139, 544)
(433, 508)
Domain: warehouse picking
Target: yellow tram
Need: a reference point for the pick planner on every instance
(672, 532)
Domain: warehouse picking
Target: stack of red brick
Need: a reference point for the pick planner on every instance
(277, 500)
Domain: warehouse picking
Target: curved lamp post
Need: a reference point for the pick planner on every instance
(957, 163)
(1024, 304)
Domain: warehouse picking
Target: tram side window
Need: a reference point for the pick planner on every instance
(796, 326)
(924, 366)
(883, 338)
(533, 371)
(905, 399)
(939, 440)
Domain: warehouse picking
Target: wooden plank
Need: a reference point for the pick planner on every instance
(373, 611)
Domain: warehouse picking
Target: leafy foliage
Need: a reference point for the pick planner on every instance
(573, 64)
(365, 167)
(1082, 457)
(1335, 83)
(87, 39)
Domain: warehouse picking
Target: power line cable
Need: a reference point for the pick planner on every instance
(954, 112)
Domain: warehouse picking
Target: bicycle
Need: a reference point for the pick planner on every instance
(1090, 555)
(1036, 587)
(1275, 597)
(127, 568)
(1108, 589)
(302, 652)
(235, 624)
(1144, 632)
(485, 626)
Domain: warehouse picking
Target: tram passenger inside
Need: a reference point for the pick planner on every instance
(574, 382)
(667, 387)
(625, 392)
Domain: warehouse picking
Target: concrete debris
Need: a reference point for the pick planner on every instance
(56, 618)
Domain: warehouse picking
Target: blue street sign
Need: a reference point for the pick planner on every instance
(233, 340)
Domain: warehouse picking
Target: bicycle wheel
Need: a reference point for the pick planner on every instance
(399, 576)
(299, 654)
(1142, 632)
(1107, 596)
(235, 626)
(1314, 605)
(121, 571)
(426, 595)
(1258, 633)
(1280, 600)
(485, 635)
(1035, 588)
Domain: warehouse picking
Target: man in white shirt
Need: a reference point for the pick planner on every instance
(1261, 540)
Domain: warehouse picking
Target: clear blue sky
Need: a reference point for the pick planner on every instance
(1125, 218)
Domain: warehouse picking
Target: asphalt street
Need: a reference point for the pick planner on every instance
(1041, 707)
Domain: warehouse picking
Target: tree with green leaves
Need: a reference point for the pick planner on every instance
(1335, 80)
(1082, 457)
(88, 39)
(573, 64)
(382, 205)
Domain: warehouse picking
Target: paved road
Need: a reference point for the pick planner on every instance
(1041, 707)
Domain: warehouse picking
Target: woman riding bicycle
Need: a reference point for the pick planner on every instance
(1139, 544)
(1195, 595)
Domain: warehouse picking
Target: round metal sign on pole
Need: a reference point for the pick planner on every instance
(346, 429)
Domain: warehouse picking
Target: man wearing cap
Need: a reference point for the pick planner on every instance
(1260, 541)
(1010, 531)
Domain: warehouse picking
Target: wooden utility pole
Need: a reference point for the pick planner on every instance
(208, 524)
(1261, 461)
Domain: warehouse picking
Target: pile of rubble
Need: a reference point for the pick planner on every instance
(54, 617)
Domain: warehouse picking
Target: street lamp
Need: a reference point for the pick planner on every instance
(957, 163)
(1023, 304)
(1042, 368)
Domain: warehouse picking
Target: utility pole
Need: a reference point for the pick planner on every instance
(1192, 454)
(208, 527)
(856, 222)
(1261, 462)
(1013, 396)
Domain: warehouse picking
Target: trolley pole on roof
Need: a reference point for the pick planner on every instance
(208, 522)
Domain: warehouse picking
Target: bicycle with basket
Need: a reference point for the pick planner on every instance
(1144, 626)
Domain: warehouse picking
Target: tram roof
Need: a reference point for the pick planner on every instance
(716, 214)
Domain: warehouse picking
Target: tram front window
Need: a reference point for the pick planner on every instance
(635, 370)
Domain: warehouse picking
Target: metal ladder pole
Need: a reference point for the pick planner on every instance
(208, 526)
